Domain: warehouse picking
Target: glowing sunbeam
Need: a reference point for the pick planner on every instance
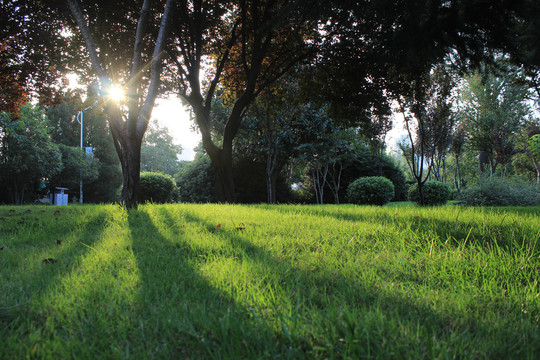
(116, 93)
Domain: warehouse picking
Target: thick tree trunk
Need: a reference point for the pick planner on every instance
(131, 172)
(224, 181)
(483, 161)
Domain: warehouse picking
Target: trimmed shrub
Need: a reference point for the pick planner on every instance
(370, 190)
(500, 192)
(157, 187)
(435, 193)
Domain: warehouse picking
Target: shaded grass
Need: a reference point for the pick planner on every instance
(260, 281)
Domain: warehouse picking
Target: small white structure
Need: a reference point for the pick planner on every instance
(59, 197)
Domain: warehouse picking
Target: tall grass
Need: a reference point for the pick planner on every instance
(260, 281)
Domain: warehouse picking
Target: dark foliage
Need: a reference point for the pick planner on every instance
(250, 183)
(499, 192)
(196, 181)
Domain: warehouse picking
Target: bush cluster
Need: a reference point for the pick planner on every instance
(157, 187)
(500, 192)
(196, 181)
(370, 190)
(435, 193)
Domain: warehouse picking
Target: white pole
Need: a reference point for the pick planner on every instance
(80, 173)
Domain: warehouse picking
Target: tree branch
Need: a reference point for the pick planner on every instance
(88, 39)
(155, 70)
(221, 64)
(136, 75)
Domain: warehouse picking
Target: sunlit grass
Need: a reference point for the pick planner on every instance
(259, 281)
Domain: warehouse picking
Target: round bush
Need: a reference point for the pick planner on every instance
(156, 187)
(370, 190)
(435, 193)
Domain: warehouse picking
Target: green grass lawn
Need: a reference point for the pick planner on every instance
(260, 281)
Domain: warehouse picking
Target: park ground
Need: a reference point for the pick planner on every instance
(260, 281)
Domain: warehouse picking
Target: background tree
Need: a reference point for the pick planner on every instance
(30, 59)
(76, 166)
(158, 152)
(106, 188)
(65, 130)
(493, 106)
(457, 148)
(425, 103)
(27, 154)
(195, 180)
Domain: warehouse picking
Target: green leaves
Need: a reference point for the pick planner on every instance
(534, 146)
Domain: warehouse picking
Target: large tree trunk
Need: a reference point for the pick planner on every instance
(131, 172)
(483, 162)
(224, 181)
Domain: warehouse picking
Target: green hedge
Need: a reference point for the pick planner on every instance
(370, 190)
(500, 192)
(157, 187)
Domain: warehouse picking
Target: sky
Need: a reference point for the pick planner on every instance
(171, 113)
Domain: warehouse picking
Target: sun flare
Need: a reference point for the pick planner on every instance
(116, 93)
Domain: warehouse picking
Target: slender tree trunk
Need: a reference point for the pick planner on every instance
(457, 177)
(319, 181)
(315, 175)
(271, 179)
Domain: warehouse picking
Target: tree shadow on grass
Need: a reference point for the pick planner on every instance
(178, 305)
(27, 317)
(316, 312)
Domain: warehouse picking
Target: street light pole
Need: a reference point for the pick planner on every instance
(80, 120)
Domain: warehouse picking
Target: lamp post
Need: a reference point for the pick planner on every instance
(80, 120)
(114, 93)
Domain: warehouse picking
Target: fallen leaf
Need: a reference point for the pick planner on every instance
(58, 242)
(241, 227)
(218, 226)
(48, 261)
